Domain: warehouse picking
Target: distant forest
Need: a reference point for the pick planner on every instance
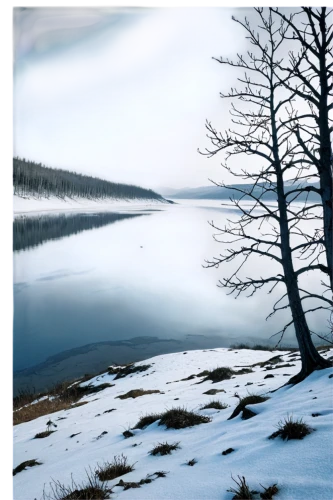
(35, 179)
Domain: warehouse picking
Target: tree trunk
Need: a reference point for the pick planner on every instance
(325, 172)
(310, 358)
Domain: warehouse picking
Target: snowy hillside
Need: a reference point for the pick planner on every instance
(88, 436)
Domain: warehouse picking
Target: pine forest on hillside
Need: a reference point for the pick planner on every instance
(30, 178)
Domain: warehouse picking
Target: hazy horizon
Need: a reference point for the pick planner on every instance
(124, 93)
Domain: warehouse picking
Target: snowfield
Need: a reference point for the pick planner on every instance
(302, 469)
(32, 205)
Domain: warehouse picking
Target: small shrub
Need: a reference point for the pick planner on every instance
(291, 429)
(179, 418)
(24, 465)
(130, 369)
(220, 374)
(192, 462)
(242, 491)
(92, 489)
(147, 420)
(214, 404)
(44, 434)
(269, 492)
(136, 393)
(164, 448)
(251, 399)
(110, 470)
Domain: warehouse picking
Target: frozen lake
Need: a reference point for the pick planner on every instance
(116, 277)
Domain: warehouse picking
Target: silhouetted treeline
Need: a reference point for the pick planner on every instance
(30, 232)
(32, 178)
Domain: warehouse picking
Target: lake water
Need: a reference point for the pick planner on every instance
(88, 278)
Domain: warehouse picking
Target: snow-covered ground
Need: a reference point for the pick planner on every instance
(302, 469)
(31, 205)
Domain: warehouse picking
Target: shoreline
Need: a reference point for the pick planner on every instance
(93, 358)
(32, 206)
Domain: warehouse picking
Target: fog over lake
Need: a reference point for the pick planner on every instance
(125, 277)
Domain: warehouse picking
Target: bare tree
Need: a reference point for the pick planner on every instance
(309, 76)
(261, 129)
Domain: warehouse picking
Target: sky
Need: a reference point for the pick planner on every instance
(123, 93)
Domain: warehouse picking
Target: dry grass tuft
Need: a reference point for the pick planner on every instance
(179, 418)
(64, 396)
(110, 470)
(269, 492)
(214, 404)
(164, 448)
(92, 489)
(242, 490)
(147, 420)
(291, 429)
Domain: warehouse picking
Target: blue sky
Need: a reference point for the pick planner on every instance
(123, 93)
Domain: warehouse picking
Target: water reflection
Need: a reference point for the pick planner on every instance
(29, 232)
(142, 278)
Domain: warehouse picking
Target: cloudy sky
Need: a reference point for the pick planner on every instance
(123, 93)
